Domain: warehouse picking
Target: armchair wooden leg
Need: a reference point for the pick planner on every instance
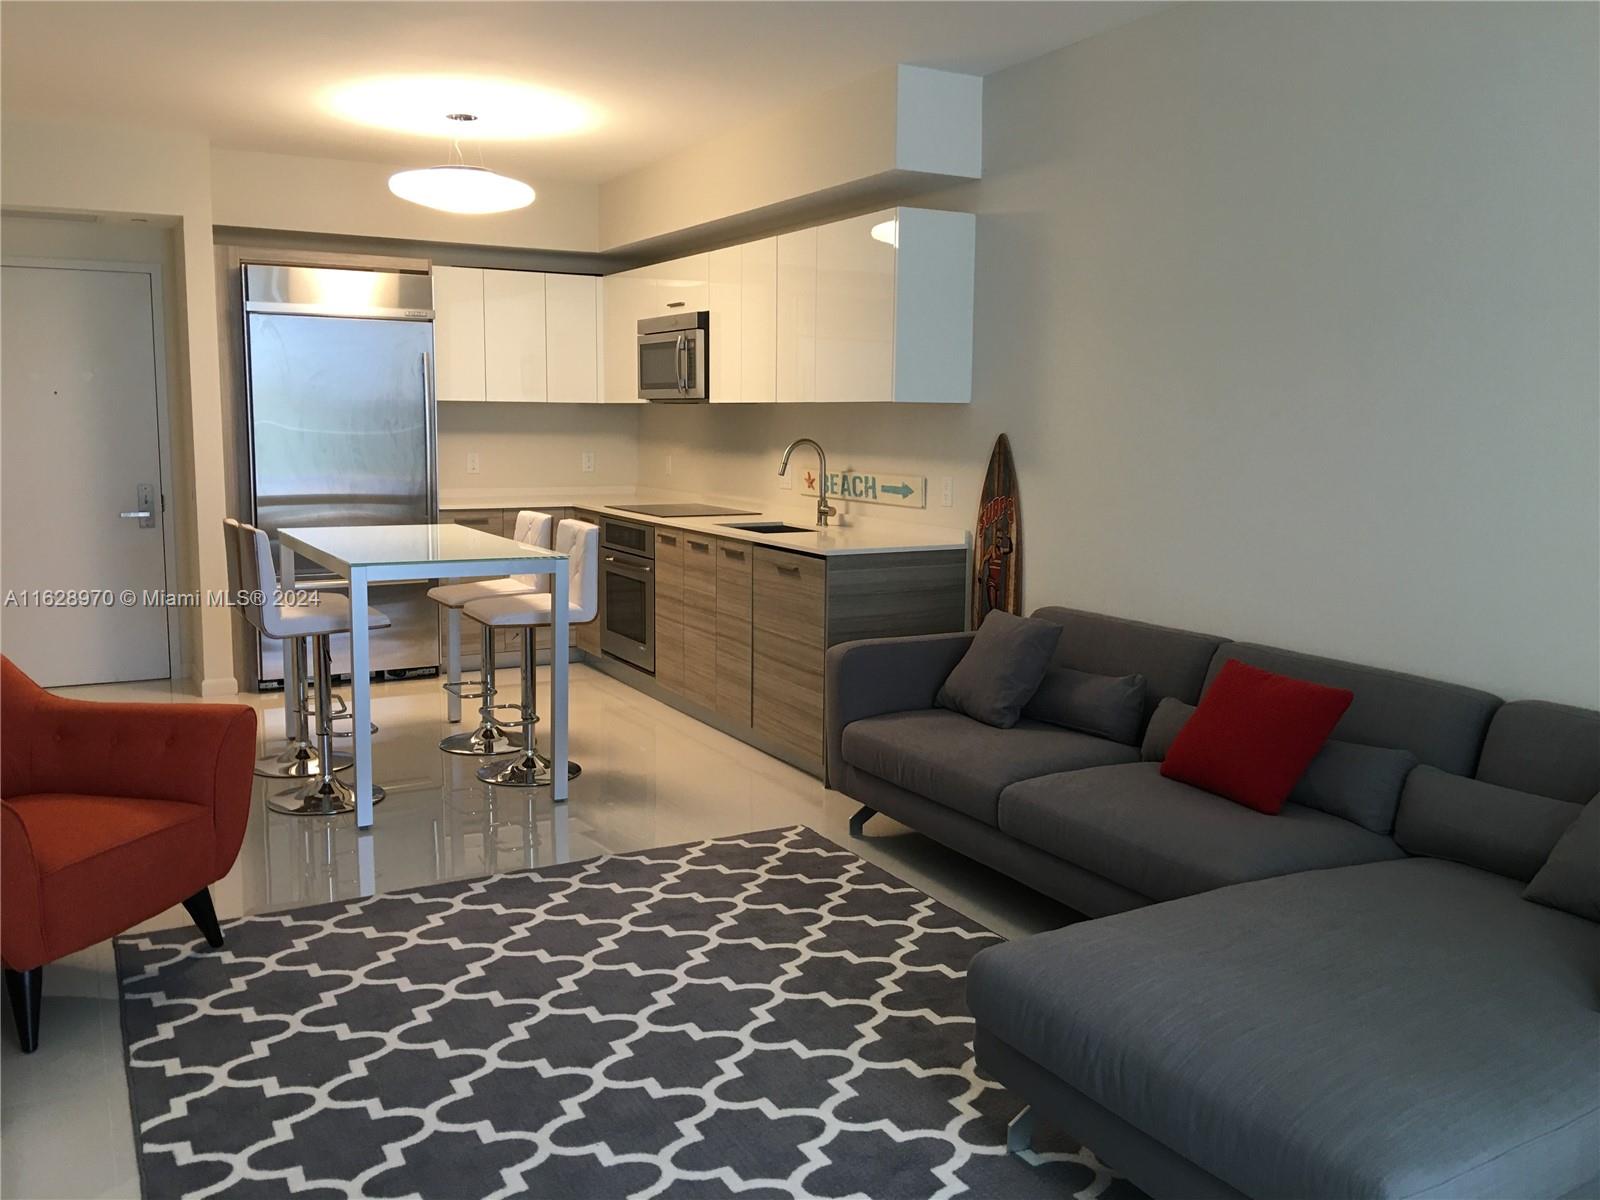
(25, 989)
(858, 823)
(204, 915)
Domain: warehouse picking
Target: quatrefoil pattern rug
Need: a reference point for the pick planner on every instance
(759, 1016)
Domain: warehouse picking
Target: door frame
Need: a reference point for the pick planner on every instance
(158, 339)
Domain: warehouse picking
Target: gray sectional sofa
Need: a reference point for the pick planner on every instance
(1349, 998)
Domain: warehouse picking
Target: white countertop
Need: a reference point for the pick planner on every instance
(850, 534)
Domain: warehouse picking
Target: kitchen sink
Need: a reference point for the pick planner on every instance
(766, 527)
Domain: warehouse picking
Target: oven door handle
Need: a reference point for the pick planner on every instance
(624, 568)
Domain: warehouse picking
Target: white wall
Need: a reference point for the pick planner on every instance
(320, 195)
(537, 445)
(1289, 312)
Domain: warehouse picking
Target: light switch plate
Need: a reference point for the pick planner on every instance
(588, 460)
(947, 492)
(472, 462)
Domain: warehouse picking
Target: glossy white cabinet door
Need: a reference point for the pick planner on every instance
(514, 336)
(458, 333)
(682, 285)
(934, 279)
(855, 322)
(626, 297)
(572, 332)
(727, 337)
(758, 321)
(796, 350)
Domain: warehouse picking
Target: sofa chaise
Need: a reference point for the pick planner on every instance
(1349, 998)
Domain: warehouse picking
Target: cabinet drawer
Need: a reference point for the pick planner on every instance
(700, 583)
(734, 561)
(786, 701)
(490, 520)
(789, 595)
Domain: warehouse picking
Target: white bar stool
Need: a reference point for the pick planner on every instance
(581, 542)
(323, 794)
(491, 737)
(298, 759)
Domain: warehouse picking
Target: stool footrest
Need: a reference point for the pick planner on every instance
(463, 690)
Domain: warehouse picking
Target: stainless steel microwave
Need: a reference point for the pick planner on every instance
(675, 357)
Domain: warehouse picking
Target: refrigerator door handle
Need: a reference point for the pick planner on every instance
(429, 414)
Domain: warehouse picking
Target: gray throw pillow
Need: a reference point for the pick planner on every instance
(1108, 706)
(1170, 716)
(1570, 877)
(1356, 782)
(1001, 669)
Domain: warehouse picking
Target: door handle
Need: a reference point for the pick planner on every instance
(683, 362)
(145, 514)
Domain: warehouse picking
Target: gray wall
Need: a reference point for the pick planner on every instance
(1290, 313)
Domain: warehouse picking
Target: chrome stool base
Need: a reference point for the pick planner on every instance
(299, 762)
(486, 741)
(521, 772)
(328, 798)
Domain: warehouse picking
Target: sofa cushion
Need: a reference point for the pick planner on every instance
(1441, 723)
(963, 764)
(1000, 670)
(1173, 661)
(1549, 749)
(1254, 734)
(1396, 1029)
(1570, 877)
(1468, 821)
(1349, 780)
(1169, 718)
(1165, 839)
(1108, 706)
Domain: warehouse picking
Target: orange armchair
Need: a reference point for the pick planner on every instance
(109, 815)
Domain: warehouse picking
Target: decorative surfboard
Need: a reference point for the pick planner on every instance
(997, 548)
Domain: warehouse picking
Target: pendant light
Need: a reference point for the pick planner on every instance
(456, 187)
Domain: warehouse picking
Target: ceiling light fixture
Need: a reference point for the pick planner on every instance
(456, 187)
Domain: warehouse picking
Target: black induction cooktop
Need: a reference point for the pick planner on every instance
(683, 510)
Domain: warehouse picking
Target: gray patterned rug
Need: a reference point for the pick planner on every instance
(759, 1016)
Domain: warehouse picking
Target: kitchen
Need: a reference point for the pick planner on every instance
(721, 609)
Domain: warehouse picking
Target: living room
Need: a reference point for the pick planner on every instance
(1236, 838)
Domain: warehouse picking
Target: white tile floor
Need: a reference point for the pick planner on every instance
(652, 777)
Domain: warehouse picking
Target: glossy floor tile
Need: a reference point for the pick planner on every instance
(652, 776)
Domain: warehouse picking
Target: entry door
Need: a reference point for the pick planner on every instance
(80, 451)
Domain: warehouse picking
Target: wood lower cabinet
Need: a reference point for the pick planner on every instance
(669, 609)
(700, 619)
(734, 595)
(789, 627)
(742, 629)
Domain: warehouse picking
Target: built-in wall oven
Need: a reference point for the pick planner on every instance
(628, 581)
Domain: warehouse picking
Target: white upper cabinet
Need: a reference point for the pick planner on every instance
(514, 336)
(727, 326)
(795, 350)
(855, 322)
(682, 285)
(626, 299)
(933, 282)
(572, 335)
(758, 322)
(458, 333)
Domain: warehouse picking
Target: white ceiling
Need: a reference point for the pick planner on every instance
(252, 75)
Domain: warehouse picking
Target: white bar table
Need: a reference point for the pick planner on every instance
(366, 554)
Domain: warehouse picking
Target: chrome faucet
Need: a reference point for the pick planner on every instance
(824, 509)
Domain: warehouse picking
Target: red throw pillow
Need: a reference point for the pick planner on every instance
(1254, 734)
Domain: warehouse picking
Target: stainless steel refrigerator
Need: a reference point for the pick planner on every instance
(339, 394)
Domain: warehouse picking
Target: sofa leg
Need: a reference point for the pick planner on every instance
(204, 915)
(858, 823)
(1019, 1133)
(25, 988)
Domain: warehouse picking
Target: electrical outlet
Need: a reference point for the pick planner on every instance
(669, 464)
(588, 460)
(786, 482)
(473, 466)
(947, 492)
